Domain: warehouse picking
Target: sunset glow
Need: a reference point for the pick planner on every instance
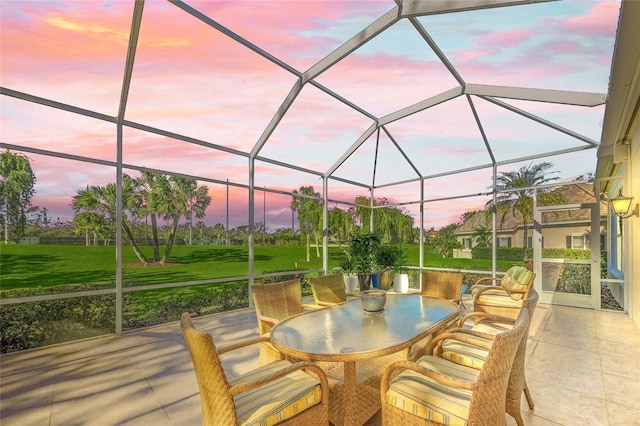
(193, 80)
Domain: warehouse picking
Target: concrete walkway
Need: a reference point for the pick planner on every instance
(582, 368)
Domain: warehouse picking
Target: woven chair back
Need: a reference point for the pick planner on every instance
(279, 300)
(328, 289)
(517, 378)
(443, 285)
(489, 401)
(217, 403)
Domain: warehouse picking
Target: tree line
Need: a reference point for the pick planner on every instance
(154, 204)
(165, 200)
(391, 224)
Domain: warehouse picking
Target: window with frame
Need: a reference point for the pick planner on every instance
(467, 243)
(579, 241)
(503, 242)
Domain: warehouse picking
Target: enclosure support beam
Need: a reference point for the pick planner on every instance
(325, 225)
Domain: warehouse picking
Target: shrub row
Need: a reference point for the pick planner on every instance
(517, 253)
(36, 324)
(502, 253)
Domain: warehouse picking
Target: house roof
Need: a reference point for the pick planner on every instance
(580, 193)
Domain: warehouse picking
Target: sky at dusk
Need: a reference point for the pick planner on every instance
(191, 79)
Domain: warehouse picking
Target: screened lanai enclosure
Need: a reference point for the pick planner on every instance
(416, 106)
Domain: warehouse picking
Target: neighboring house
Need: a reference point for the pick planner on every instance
(562, 229)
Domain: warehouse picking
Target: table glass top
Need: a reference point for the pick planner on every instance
(347, 328)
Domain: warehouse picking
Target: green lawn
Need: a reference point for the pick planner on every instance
(27, 270)
(44, 266)
(29, 266)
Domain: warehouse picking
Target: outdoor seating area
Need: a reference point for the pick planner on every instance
(356, 213)
(579, 366)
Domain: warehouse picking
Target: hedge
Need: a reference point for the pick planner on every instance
(502, 253)
(517, 253)
(36, 324)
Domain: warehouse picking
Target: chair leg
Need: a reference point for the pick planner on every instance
(527, 394)
(518, 417)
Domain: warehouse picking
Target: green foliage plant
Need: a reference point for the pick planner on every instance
(400, 267)
(17, 182)
(363, 250)
(445, 241)
(348, 264)
(387, 255)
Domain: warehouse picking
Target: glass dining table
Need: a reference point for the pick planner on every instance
(355, 346)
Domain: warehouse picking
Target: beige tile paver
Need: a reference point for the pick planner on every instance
(581, 368)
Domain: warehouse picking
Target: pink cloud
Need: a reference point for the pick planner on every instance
(453, 151)
(469, 55)
(279, 24)
(505, 39)
(601, 20)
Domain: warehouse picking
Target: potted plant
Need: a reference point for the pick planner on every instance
(348, 266)
(400, 272)
(387, 257)
(363, 249)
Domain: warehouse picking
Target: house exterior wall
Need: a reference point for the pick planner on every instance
(621, 130)
(554, 236)
(631, 227)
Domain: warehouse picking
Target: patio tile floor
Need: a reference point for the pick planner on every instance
(581, 367)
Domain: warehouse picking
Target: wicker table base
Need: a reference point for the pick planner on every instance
(354, 388)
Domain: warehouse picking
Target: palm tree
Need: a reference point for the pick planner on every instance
(219, 232)
(183, 197)
(515, 193)
(482, 236)
(102, 200)
(149, 188)
(89, 222)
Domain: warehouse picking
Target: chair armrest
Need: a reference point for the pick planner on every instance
(269, 320)
(498, 288)
(487, 316)
(457, 335)
(303, 365)
(327, 304)
(244, 343)
(432, 374)
(475, 333)
(487, 279)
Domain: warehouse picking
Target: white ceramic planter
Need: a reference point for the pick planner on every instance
(350, 283)
(400, 283)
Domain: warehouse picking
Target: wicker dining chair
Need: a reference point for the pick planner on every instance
(278, 393)
(328, 290)
(434, 390)
(473, 352)
(507, 297)
(275, 302)
(443, 285)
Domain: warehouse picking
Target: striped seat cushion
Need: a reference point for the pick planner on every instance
(428, 399)
(477, 287)
(278, 400)
(465, 353)
(500, 298)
